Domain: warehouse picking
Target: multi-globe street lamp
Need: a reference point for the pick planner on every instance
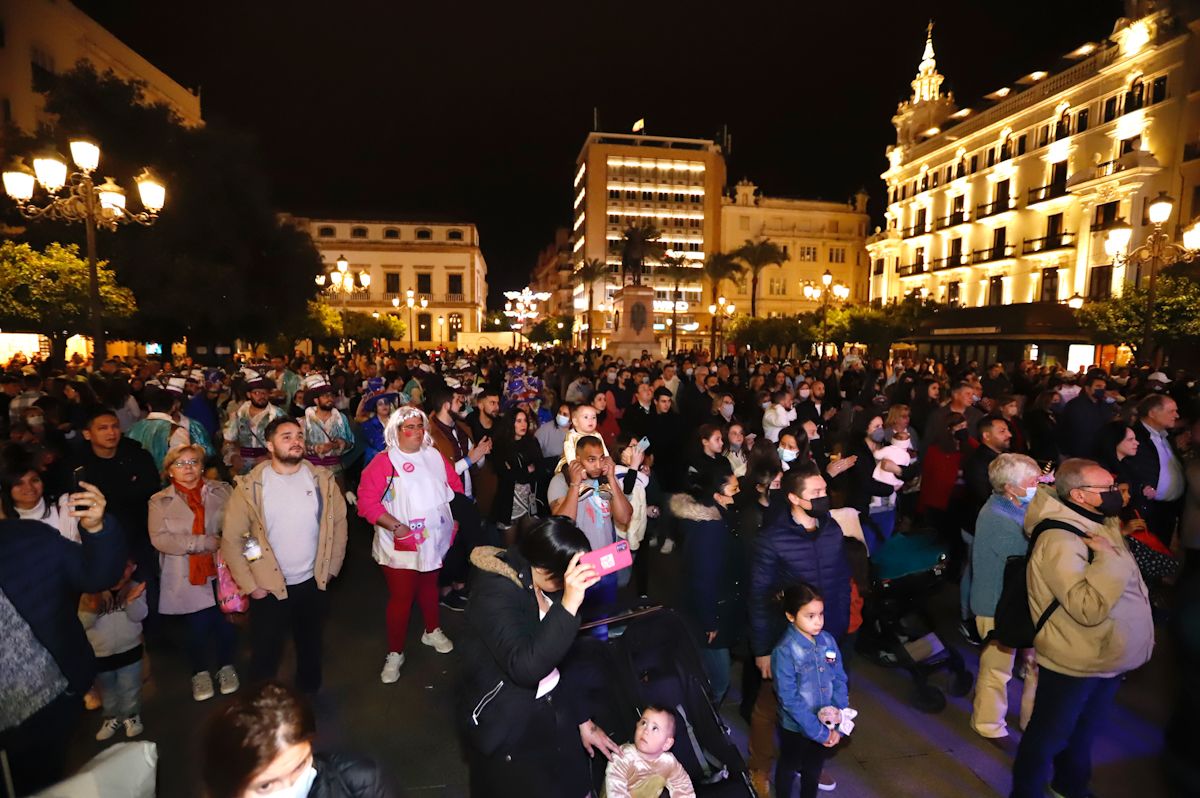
(827, 289)
(75, 197)
(522, 307)
(1158, 251)
(410, 299)
(718, 313)
(341, 282)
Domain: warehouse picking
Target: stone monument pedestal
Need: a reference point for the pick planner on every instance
(633, 323)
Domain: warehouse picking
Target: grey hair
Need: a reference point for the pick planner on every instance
(1069, 475)
(1011, 469)
(391, 433)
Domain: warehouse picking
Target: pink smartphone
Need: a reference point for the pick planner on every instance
(609, 559)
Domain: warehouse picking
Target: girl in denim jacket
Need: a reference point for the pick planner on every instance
(811, 684)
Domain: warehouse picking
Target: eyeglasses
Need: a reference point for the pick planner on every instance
(185, 463)
(412, 427)
(1100, 488)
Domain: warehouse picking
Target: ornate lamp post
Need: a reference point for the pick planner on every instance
(341, 282)
(75, 197)
(827, 289)
(522, 307)
(441, 330)
(718, 313)
(1157, 251)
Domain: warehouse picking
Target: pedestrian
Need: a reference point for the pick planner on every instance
(1157, 466)
(517, 458)
(113, 619)
(245, 431)
(185, 521)
(994, 437)
(405, 494)
(23, 494)
(1083, 416)
(284, 539)
(1098, 629)
(327, 433)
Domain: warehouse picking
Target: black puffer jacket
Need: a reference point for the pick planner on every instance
(340, 776)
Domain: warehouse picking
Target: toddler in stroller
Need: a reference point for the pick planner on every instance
(897, 629)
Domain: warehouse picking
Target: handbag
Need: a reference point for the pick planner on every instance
(229, 598)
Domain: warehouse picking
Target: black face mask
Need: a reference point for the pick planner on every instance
(1111, 502)
(820, 508)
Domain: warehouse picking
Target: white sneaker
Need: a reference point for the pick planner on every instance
(133, 725)
(202, 687)
(438, 640)
(668, 546)
(391, 668)
(827, 786)
(227, 680)
(108, 728)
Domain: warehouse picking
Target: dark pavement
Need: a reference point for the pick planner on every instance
(408, 727)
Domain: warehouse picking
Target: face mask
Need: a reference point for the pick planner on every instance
(765, 405)
(300, 786)
(562, 420)
(1108, 400)
(688, 372)
(1029, 494)
(727, 411)
(612, 376)
(788, 455)
(1111, 503)
(804, 394)
(877, 435)
(820, 507)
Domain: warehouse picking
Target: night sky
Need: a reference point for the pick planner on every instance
(477, 110)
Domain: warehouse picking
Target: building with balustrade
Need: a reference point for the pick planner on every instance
(1001, 208)
(441, 263)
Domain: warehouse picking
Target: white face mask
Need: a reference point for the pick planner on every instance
(688, 372)
(788, 455)
(300, 787)
(805, 394)
(562, 421)
(727, 411)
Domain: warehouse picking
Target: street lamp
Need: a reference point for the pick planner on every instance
(823, 292)
(441, 323)
(718, 313)
(1075, 302)
(83, 201)
(522, 308)
(1157, 251)
(341, 282)
(410, 301)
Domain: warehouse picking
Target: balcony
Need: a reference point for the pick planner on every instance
(956, 218)
(916, 230)
(994, 208)
(992, 254)
(1048, 243)
(455, 297)
(910, 269)
(950, 261)
(1047, 192)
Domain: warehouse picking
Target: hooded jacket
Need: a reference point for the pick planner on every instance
(1103, 627)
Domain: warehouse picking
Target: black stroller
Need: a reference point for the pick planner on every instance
(897, 629)
(651, 658)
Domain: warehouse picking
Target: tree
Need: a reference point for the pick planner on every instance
(363, 328)
(639, 244)
(219, 262)
(1174, 320)
(758, 254)
(47, 292)
(676, 270)
(589, 273)
(777, 336)
(719, 267)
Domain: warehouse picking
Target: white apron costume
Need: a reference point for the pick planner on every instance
(418, 496)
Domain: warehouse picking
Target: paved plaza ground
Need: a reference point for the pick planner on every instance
(408, 726)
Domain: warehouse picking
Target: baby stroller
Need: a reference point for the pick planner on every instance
(897, 629)
(651, 658)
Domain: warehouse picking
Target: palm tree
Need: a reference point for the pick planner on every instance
(719, 267)
(677, 270)
(640, 244)
(588, 274)
(758, 254)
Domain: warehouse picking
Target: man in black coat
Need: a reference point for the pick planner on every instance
(638, 417)
(1157, 466)
(50, 664)
(1083, 416)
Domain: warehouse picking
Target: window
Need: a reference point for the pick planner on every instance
(424, 327)
(1022, 140)
(424, 234)
(806, 254)
(391, 282)
(391, 233)
(454, 285)
(919, 257)
(1100, 282)
(954, 293)
(41, 65)
(1106, 214)
(838, 254)
(614, 193)
(358, 232)
(949, 173)
(974, 163)
(1043, 135)
(991, 156)
(925, 182)
(833, 225)
(955, 252)
(1130, 144)
(1081, 120)
(1110, 108)
(878, 267)
(996, 290)
(454, 322)
(454, 235)
(424, 283)
(1062, 128)
(1054, 226)
(1135, 98)
(1049, 285)
(776, 286)
(904, 191)
(326, 232)
(999, 242)
(1158, 90)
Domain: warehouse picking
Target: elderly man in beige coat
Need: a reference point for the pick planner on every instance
(1100, 630)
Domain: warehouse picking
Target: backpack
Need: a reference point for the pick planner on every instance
(1014, 623)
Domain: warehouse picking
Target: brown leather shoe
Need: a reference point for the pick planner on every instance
(760, 780)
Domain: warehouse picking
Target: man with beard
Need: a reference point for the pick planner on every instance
(487, 410)
(245, 432)
(287, 382)
(812, 406)
(284, 538)
(327, 433)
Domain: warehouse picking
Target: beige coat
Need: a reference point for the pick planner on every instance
(170, 525)
(1103, 626)
(244, 517)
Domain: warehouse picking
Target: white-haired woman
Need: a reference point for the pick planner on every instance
(1000, 534)
(405, 492)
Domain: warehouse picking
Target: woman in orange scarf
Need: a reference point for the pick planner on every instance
(185, 526)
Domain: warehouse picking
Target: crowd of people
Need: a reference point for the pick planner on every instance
(161, 498)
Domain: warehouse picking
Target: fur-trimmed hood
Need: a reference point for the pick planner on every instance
(686, 508)
(489, 559)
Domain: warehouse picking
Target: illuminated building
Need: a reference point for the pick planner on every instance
(1001, 208)
(552, 274)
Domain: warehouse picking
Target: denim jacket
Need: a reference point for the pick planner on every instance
(808, 676)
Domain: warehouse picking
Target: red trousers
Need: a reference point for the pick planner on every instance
(404, 585)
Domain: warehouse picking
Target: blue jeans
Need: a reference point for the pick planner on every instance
(206, 626)
(878, 528)
(121, 691)
(1056, 749)
(716, 666)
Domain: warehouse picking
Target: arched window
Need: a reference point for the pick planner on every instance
(358, 232)
(1062, 128)
(456, 324)
(424, 234)
(1135, 98)
(455, 235)
(391, 232)
(326, 232)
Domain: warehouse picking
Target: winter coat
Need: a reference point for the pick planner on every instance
(512, 468)
(714, 567)
(341, 776)
(170, 523)
(786, 553)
